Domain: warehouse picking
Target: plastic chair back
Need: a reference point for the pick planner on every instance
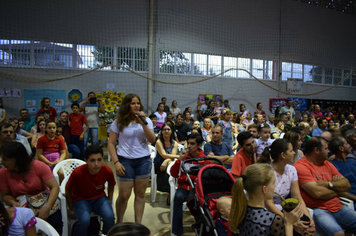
(45, 227)
(67, 166)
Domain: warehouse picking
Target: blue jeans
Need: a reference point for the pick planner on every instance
(180, 197)
(74, 150)
(100, 206)
(93, 133)
(80, 144)
(328, 223)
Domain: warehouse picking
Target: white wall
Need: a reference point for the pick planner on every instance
(244, 28)
(247, 91)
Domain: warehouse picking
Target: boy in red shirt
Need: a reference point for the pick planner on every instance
(85, 192)
(77, 134)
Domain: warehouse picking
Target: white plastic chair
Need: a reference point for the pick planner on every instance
(45, 227)
(67, 166)
(153, 152)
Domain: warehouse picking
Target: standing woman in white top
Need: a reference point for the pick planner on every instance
(132, 159)
(161, 115)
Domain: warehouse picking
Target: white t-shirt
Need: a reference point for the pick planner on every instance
(160, 118)
(175, 111)
(262, 144)
(283, 184)
(132, 140)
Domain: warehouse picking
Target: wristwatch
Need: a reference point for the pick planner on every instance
(330, 184)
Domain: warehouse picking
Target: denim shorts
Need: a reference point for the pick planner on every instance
(328, 223)
(139, 168)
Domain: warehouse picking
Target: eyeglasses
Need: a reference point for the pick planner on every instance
(167, 130)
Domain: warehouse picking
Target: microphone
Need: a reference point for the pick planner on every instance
(142, 118)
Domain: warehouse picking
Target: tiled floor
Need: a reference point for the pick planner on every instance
(157, 215)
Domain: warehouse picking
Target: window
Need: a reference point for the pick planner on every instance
(214, 65)
(292, 70)
(200, 64)
(308, 73)
(230, 62)
(243, 63)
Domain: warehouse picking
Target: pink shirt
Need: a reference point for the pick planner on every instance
(32, 183)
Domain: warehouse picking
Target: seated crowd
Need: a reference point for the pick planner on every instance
(286, 153)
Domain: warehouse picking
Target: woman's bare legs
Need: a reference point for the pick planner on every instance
(140, 186)
(125, 189)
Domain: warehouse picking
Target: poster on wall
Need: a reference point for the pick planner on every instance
(214, 97)
(10, 92)
(276, 102)
(300, 103)
(295, 86)
(32, 99)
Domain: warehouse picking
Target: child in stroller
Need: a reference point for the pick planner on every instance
(223, 206)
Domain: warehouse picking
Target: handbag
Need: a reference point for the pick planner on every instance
(37, 201)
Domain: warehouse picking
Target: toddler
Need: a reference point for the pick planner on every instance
(223, 205)
(264, 131)
(218, 108)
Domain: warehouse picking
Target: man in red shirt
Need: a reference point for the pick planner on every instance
(321, 185)
(246, 156)
(77, 134)
(85, 192)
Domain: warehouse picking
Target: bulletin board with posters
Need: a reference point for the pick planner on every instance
(214, 97)
(276, 102)
(301, 104)
(32, 99)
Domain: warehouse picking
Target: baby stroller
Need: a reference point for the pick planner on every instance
(212, 182)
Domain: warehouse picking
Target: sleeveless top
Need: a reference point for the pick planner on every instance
(159, 159)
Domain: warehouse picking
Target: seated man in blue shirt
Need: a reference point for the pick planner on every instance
(322, 126)
(347, 168)
(216, 148)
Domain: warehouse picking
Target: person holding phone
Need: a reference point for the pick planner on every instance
(91, 108)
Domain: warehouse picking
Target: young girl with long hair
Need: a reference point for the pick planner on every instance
(225, 123)
(51, 148)
(160, 114)
(132, 159)
(250, 217)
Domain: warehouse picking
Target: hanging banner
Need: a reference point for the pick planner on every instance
(295, 86)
